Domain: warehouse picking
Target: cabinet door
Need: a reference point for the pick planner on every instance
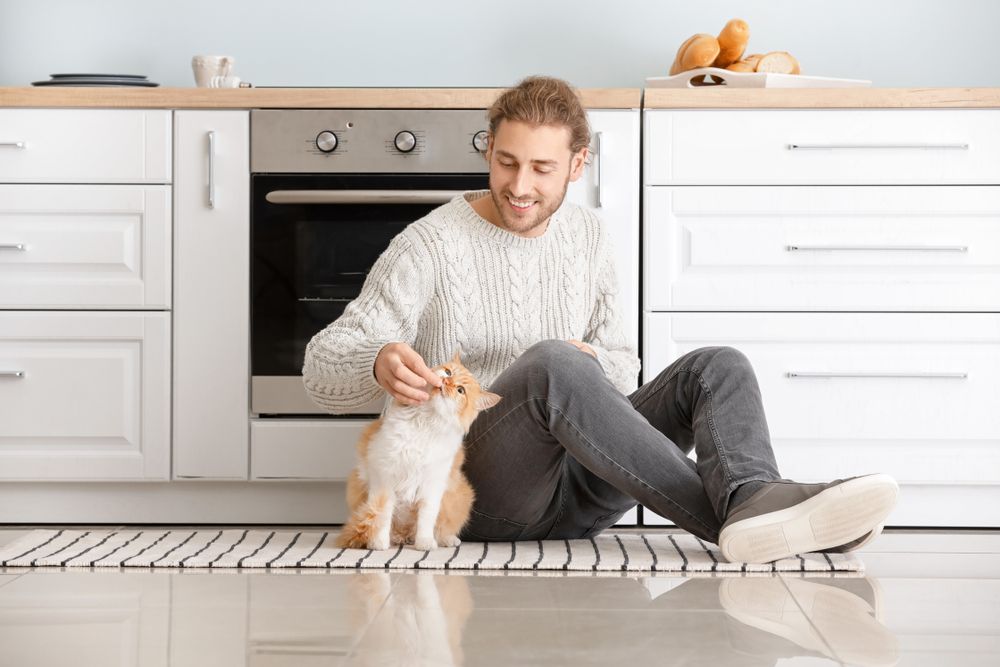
(85, 246)
(211, 294)
(909, 394)
(84, 146)
(84, 396)
(610, 186)
(892, 248)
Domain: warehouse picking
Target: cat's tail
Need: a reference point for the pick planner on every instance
(358, 531)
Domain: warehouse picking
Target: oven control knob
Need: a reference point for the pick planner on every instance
(326, 141)
(481, 141)
(405, 141)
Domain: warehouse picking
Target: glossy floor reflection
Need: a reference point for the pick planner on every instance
(929, 598)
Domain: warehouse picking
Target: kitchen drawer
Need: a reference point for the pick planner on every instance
(84, 246)
(910, 394)
(822, 146)
(304, 448)
(841, 248)
(84, 146)
(84, 396)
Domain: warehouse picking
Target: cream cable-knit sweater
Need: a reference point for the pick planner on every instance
(453, 280)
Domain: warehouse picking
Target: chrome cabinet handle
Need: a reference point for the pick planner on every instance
(13, 246)
(361, 196)
(598, 137)
(14, 144)
(211, 169)
(906, 248)
(830, 147)
(936, 376)
(15, 374)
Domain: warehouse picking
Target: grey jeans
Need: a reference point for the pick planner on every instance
(565, 454)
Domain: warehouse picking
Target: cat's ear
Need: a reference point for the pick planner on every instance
(487, 400)
(455, 358)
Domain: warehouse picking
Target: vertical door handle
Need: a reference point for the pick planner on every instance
(211, 169)
(597, 146)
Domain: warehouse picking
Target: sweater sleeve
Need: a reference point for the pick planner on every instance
(605, 331)
(339, 360)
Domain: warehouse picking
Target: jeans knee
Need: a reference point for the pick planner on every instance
(552, 353)
(727, 357)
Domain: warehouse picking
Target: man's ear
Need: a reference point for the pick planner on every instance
(578, 163)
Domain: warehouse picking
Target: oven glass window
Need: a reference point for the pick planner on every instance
(311, 260)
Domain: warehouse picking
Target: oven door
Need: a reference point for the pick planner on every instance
(313, 240)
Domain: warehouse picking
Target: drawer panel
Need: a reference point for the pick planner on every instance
(893, 248)
(84, 246)
(835, 402)
(85, 146)
(304, 448)
(822, 146)
(92, 401)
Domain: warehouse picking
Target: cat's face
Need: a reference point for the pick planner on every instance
(461, 387)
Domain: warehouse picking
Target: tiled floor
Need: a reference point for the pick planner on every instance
(927, 598)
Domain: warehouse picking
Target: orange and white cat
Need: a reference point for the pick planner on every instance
(408, 486)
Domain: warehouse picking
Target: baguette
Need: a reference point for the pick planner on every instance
(732, 43)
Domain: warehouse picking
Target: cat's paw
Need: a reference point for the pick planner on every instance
(425, 543)
(450, 541)
(379, 542)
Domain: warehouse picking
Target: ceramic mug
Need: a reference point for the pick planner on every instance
(206, 67)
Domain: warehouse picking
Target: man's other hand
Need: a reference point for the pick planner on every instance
(583, 346)
(401, 371)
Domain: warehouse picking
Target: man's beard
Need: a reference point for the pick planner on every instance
(544, 209)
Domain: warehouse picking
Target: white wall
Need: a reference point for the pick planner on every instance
(592, 43)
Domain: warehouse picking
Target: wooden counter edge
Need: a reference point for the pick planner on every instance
(288, 98)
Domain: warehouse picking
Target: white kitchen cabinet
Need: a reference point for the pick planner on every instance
(211, 327)
(84, 395)
(873, 248)
(609, 186)
(908, 394)
(822, 147)
(84, 286)
(84, 146)
(852, 256)
(85, 247)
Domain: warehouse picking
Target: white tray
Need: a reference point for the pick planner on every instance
(711, 77)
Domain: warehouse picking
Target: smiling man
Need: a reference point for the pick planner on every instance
(523, 283)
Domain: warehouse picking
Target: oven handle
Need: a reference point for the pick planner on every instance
(361, 196)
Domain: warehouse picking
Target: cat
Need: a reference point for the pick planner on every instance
(408, 486)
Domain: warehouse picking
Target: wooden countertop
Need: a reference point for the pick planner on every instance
(481, 98)
(297, 98)
(819, 98)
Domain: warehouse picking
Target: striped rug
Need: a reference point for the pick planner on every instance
(246, 548)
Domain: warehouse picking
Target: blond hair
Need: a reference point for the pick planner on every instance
(543, 100)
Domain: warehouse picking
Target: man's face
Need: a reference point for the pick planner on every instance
(530, 169)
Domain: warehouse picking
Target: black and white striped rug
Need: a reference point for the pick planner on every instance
(246, 548)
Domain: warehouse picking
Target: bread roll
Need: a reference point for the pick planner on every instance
(699, 50)
(732, 42)
(780, 62)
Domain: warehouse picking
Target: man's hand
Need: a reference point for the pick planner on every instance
(401, 371)
(583, 346)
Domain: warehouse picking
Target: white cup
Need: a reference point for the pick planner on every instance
(206, 67)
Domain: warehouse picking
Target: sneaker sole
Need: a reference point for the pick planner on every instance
(832, 517)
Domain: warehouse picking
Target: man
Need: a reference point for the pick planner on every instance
(523, 283)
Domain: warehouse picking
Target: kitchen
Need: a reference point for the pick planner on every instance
(161, 415)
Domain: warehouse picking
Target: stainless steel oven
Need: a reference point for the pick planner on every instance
(329, 190)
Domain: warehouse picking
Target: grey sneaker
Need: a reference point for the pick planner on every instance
(786, 518)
